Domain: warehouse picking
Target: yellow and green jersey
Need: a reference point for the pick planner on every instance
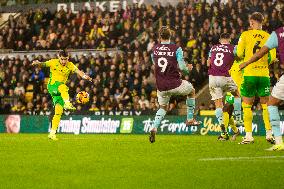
(236, 74)
(58, 72)
(249, 43)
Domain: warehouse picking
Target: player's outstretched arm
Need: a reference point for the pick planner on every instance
(258, 55)
(83, 75)
(37, 63)
(181, 63)
(271, 43)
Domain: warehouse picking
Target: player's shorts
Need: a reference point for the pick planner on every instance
(219, 85)
(184, 89)
(55, 94)
(278, 89)
(255, 85)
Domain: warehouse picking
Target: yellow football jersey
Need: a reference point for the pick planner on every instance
(236, 74)
(58, 72)
(249, 43)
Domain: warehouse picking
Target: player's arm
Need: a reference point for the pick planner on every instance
(209, 58)
(271, 43)
(240, 49)
(41, 64)
(181, 63)
(152, 58)
(81, 73)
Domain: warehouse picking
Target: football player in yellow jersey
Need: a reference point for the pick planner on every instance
(60, 69)
(236, 74)
(256, 79)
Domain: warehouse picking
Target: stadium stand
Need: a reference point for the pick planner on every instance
(196, 26)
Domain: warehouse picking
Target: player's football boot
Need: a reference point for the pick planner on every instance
(247, 141)
(192, 122)
(234, 137)
(52, 137)
(68, 106)
(152, 137)
(223, 136)
(276, 147)
(271, 140)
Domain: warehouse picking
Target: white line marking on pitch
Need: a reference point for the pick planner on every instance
(240, 158)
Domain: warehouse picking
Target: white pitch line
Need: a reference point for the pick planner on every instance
(240, 158)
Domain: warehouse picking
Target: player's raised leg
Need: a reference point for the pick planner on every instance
(63, 89)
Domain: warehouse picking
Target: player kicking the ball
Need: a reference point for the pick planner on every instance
(60, 70)
(276, 40)
(168, 61)
(221, 59)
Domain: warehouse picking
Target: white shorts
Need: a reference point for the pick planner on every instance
(278, 89)
(219, 85)
(184, 89)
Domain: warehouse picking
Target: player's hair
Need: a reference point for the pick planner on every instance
(165, 33)
(63, 53)
(225, 36)
(257, 16)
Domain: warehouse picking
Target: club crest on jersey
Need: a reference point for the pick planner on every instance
(281, 34)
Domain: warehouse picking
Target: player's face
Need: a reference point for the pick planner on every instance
(250, 23)
(63, 60)
(13, 123)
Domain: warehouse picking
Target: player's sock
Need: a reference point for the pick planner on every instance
(159, 117)
(56, 118)
(247, 119)
(63, 89)
(275, 123)
(219, 115)
(238, 108)
(190, 103)
(226, 120)
(233, 125)
(266, 120)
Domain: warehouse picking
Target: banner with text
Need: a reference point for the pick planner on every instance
(82, 124)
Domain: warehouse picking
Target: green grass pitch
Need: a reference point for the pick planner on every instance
(129, 161)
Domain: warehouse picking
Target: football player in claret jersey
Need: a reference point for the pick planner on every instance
(256, 81)
(221, 59)
(168, 61)
(276, 40)
(60, 69)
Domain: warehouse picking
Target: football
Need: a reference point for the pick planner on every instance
(82, 97)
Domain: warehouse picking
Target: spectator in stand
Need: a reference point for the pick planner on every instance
(126, 77)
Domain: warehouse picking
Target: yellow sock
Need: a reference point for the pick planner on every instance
(226, 120)
(247, 117)
(63, 89)
(233, 125)
(56, 118)
(265, 115)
